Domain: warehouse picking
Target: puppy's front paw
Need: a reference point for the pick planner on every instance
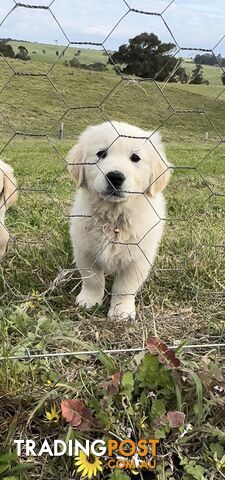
(87, 299)
(122, 310)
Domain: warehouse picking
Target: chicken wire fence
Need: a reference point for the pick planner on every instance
(31, 124)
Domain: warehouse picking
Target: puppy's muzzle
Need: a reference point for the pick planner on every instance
(115, 180)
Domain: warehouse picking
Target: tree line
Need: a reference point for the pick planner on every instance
(6, 50)
(144, 56)
(210, 59)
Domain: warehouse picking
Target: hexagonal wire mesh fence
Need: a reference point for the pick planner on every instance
(32, 119)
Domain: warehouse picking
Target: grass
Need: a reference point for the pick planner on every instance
(87, 55)
(184, 297)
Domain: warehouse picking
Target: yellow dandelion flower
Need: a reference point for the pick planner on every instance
(88, 465)
(29, 305)
(53, 415)
(34, 293)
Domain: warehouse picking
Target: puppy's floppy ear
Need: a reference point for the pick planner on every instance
(161, 171)
(75, 159)
(8, 185)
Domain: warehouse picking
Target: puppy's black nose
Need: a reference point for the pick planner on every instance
(115, 178)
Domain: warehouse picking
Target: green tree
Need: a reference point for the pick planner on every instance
(147, 57)
(6, 50)
(23, 50)
(182, 76)
(23, 53)
(197, 75)
(74, 62)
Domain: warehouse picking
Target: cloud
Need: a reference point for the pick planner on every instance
(199, 24)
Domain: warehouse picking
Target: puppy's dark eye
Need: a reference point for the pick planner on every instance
(135, 158)
(102, 154)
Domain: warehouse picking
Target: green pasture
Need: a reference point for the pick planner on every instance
(184, 296)
(193, 243)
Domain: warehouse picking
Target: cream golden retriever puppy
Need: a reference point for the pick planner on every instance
(117, 219)
(8, 195)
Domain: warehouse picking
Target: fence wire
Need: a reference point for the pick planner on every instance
(15, 73)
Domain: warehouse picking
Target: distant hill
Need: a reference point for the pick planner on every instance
(46, 53)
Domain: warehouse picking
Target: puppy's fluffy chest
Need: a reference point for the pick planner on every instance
(115, 224)
(115, 235)
(112, 231)
(122, 222)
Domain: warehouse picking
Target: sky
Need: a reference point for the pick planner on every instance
(189, 24)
